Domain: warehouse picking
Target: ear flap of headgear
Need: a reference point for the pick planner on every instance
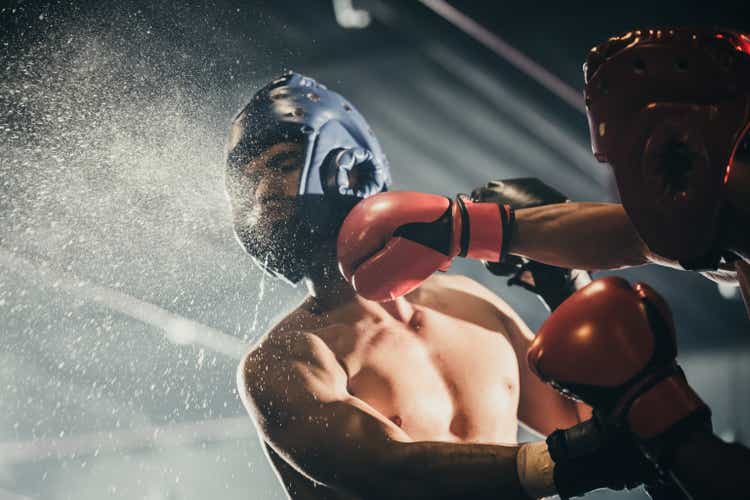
(344, 165)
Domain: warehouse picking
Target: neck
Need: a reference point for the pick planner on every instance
(327, 286)
(329, 290)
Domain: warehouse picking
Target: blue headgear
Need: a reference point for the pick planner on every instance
(336, 137)
(297, 106)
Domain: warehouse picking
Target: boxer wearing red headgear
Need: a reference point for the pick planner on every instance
(668, 109)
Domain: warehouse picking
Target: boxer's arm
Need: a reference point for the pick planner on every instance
(726, 477)
(297, 393)
(580, 235)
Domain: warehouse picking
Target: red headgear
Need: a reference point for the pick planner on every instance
(669, 109)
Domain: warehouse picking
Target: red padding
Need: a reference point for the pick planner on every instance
(662, 406)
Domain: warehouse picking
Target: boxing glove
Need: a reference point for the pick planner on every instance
(613, 346)
(391, 242)
(550, 283)
(595, 454)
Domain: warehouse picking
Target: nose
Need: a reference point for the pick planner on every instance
(268, 188)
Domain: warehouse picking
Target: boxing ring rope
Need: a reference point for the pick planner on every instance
(503, 49)
(177, 329)
(113, 441)
(10, 495)
(577, 153)
(574, 151)
(743, 276)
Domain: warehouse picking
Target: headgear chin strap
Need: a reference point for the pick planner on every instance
(667, 109)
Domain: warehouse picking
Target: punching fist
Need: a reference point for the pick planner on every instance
(612, 345)
(391, 242)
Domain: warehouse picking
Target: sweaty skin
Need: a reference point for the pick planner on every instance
(417, 398)
(579, 235)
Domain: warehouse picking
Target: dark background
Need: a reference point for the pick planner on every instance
(124, 300)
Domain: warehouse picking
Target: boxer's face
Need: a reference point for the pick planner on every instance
(263, 197)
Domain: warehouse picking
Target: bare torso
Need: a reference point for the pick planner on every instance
(443, 369)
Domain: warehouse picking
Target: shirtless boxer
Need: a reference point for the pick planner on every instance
(416, 398)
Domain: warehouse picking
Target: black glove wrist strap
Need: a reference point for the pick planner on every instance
(508, 217)
(596, 454)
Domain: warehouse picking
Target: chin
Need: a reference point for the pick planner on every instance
(282, 257)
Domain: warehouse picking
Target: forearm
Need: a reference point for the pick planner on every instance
(437, 470)
(709, 468)
(578, 235)
(427, 470)
(357, 454)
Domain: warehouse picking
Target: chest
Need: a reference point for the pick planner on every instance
(438, 377)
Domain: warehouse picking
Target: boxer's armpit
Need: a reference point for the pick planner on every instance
(293, 377)
(296, 391)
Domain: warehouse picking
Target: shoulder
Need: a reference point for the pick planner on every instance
(459, 283)
(288, 370)
(281, 348)
(492, 304)
(291, 336)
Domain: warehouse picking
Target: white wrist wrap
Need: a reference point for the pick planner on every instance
(536, 470)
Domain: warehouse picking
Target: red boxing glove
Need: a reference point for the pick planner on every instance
(391, 242)
(613, 346)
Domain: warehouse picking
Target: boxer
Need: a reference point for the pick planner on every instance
(669, 110)
(419, 397)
